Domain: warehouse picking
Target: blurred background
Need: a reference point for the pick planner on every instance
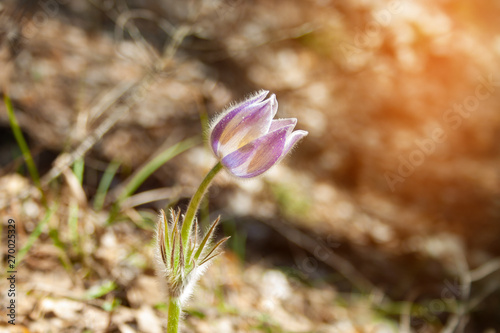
(386, 218)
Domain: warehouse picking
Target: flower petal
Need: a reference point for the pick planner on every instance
(279, 123)
(252, 126)
(259, 155)
(222, 121)
(292, 140)
(257, 97)
(241, 126)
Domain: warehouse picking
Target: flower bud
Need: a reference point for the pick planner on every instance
(247, 140)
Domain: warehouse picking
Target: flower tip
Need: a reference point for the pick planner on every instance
(257, 96)
(293, 139)
(274, 100)
(274, 104)
(301, 134)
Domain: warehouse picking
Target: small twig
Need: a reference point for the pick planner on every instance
(107, 101)
(405, 318)
(331, 259)
(457, 321)
(158, 194)
(491, 287)
(133, 94)
(485, 269)
(125, 21)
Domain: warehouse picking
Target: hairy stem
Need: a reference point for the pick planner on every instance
(195, 202)
(174, 314)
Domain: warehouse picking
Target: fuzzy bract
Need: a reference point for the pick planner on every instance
(181, 264)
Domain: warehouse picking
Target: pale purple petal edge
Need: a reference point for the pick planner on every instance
(292, 140)
(275, 140)
(220, 124)
(279, 123)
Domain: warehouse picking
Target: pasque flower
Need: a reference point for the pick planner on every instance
(247, 140)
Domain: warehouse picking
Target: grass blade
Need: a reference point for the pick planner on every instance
(154, 164)
(78, 168)
(21, 142)
(34, 235)
(100, 290)
(144, 172)
(104, 184)
(63, 256)
(73, 226)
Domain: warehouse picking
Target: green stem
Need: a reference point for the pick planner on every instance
(195, 202)
(174, 314)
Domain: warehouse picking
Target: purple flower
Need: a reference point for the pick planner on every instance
(247, 140)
